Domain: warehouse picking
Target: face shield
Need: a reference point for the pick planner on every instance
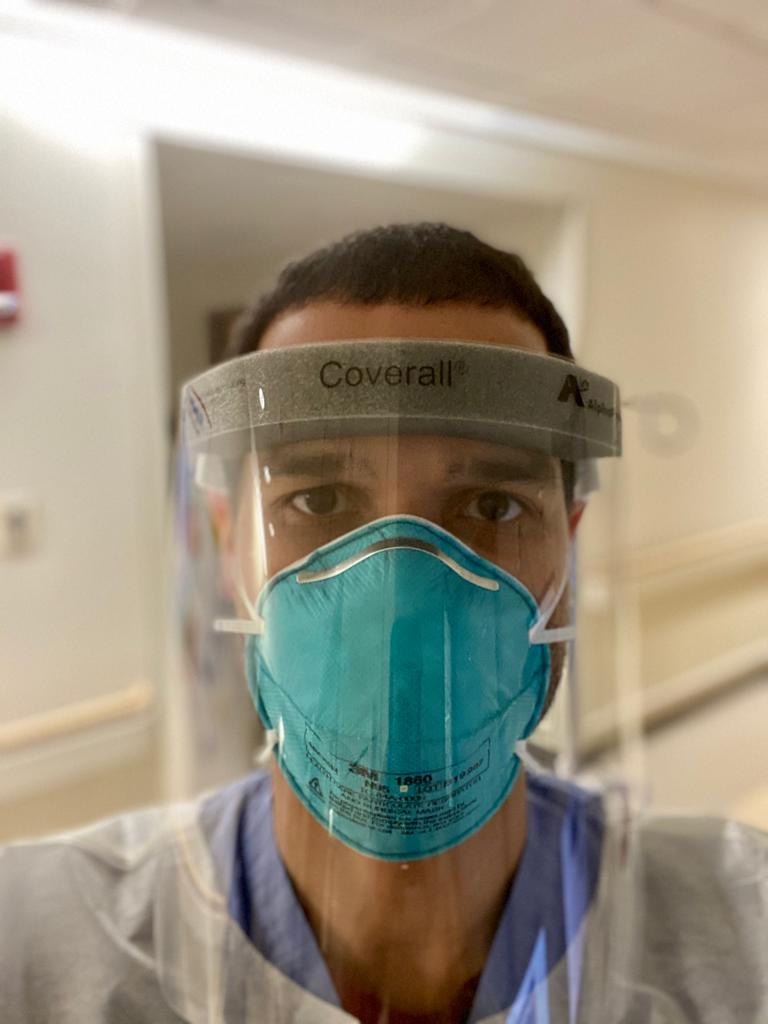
(394, 526)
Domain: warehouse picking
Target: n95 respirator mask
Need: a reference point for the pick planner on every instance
(398, 670)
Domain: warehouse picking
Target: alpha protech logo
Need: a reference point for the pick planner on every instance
(440, 374)
(575, 390)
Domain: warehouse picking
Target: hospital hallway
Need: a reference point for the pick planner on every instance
(712, 759)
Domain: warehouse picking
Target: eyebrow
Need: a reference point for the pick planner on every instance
(534, 466)
(522, 466)
(320, 464)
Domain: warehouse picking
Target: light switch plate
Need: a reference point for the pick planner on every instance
(19, 525)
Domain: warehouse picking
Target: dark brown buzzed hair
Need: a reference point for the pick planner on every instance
(420, 264)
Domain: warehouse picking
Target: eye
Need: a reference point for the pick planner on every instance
(327, 500)
(493, 507)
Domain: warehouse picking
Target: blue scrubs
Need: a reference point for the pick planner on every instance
(551, 891)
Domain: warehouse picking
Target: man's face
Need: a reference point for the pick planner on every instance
(506, 504)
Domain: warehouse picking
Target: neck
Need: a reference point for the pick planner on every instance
(403, 941)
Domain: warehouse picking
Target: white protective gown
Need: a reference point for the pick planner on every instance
(127, 921)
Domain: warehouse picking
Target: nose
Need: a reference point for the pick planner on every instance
(412, 498)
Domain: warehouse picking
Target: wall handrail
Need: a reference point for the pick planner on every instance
(747, 541)
(77, 717)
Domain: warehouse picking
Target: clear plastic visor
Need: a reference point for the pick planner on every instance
(276, 507)
(400, 609)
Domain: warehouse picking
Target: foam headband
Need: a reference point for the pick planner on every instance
(406, 386)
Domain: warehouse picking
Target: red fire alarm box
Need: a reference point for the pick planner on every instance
(9, 288)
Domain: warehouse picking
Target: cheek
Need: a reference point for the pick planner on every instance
(537, 555)
(264, 545)
(284, 545)
(249, 553)
(282, 549)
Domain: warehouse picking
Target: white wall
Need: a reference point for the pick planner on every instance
(674, 298)
(78, 396)
(231, 220)
(82, 383)
(678, 301)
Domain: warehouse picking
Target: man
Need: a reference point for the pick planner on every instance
(404, 451)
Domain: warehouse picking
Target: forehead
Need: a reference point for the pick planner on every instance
(330, 321)
(426, 460)
(430, 457)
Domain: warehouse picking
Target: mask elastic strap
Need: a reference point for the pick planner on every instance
(248, 626)
(538, 633)
(252, 627)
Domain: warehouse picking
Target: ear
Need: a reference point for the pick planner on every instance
(575, 513)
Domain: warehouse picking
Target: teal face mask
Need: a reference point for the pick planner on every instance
(399, 669)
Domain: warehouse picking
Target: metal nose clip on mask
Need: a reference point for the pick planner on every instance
(399, 669)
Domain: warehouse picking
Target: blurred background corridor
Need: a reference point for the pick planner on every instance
(159, 162)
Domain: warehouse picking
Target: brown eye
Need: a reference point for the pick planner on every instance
(319, 501)
(493, 507)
